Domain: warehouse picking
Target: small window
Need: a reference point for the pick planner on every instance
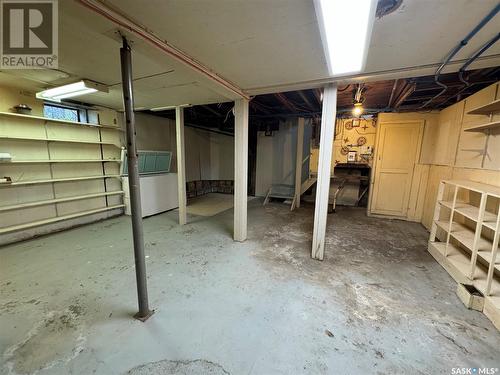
(60, 113)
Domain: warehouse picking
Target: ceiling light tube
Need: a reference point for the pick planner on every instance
(345, 28)
(83, 87)
(166, 108)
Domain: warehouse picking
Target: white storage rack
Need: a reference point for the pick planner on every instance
(464, 238)
(49, 140)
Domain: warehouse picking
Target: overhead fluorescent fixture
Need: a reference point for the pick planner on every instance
(83, 87)
(166, 108)
(345, 28)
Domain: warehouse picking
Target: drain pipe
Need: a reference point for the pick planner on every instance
(455, 50)
(134, 185)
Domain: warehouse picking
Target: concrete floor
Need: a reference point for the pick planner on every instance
(378, 303)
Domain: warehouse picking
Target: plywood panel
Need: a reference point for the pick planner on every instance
(417, 192)
(441, 146)
(276, 157)
(436, 174)
(472, 145)
(398, 146)
(430, 120)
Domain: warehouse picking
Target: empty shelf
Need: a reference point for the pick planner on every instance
(61, 161)
(472, 212)
(486, 109)
(15, 228)
(62, 122)
(476, 186)
(483, 127)
(67, 179)
(59, 140)
(59, 200)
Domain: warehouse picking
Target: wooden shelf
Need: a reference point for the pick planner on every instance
(33, 224)
(472, 212)
(59, 200)
(483, 127)
(461, 249)
(59, 140)
(465, 236)
(456, 264)
(61, 161)
(62, 122)
(486, 109)
(476, 186)
(48, 181)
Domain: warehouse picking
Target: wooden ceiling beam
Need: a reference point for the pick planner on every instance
(211, 110)
(306, 100)
(284, 101)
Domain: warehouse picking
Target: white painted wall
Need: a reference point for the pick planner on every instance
(209, 155)
(276, 157)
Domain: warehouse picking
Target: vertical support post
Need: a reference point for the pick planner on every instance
(437, 211)
(450, 222)
(134, 186)
(494, 253)
(328, 116)
(181, 164)
(240, 169)
(298, 163)
(477, 235)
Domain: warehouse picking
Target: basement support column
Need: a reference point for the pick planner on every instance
(134, 185)
(181, 164)
(240, 169)
(328, 116)
(299, 160)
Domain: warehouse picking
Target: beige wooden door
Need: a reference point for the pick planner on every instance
(396, 154)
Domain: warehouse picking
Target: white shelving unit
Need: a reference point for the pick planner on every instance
(464, 238)
(55, 121)
(49, 139)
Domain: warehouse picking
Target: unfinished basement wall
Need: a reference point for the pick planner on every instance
(453, 153)
(276, 156)
(156, 133)
(32, 203)
(209, 159)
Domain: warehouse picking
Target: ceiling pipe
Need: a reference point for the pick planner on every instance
(462, 70)
(457, 48)
(126, 23)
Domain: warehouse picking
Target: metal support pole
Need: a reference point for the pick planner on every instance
(133, 181)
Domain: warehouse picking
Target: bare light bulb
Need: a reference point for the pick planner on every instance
(357, 110)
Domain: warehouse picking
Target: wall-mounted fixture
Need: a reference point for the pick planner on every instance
(82, 87)
(345, 46)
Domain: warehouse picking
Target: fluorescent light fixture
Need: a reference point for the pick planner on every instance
(83, 87)
(345, 27)
(157, 109)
